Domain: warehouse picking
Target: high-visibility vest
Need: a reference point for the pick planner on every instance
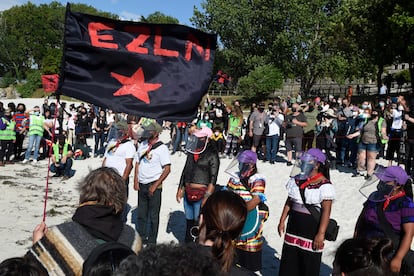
(379, 124)
(8, 134)
(36, 125)
(56, 150)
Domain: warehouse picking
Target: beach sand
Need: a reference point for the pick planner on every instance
(23, 191)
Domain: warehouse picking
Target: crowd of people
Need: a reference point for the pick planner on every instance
(317, 135)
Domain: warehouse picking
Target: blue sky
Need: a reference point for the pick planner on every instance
(129, 9)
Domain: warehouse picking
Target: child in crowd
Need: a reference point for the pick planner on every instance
(218, 139)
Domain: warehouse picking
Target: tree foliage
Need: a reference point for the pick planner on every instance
(260, 83)
(291, 35)
(159, 18)
(31, 36)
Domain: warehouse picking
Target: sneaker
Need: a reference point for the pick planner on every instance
(65, 178)
(57, 175)
(368, 177)
(289, 163)
(357, 174)
(25, 161)
(1, 164)
(272, 162)
(34, 162)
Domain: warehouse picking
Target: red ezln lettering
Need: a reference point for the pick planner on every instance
(98, 40)
(158, 51)
(136, 44)
(193, 41)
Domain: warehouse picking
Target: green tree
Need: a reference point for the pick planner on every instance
(402, 25)
(367, 33)
(291, 35)
(29, 34)
(159, 18)
(260, 83)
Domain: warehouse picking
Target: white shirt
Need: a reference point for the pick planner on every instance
(383, 90)
(151, 165)
(274, 124)
(116, 157)
(312, 196)
(396, 119)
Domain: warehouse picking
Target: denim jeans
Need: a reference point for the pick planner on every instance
(148, 213)
(33, 140)
(63, 169)
(192, 209)
(99, 143)
(272, 147)
(181, 135)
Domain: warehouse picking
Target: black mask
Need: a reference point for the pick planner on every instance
(261, 109)
(384, 189)
(293, 109)
(373, 116)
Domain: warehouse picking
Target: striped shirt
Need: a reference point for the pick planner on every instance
(19, 118)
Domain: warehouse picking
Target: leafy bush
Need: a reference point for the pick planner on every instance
(402, 77)
(7, 80)
(33, 82)
(260, 82)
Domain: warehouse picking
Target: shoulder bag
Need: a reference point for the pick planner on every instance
(333, 228)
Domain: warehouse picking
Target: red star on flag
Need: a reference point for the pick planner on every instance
(135, 86)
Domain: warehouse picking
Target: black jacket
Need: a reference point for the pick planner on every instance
(202, 171)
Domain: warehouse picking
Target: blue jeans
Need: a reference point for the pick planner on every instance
(63, 169)
(348, 145)
(181, 135)
(192, 209)
(100, 138)
(33, 140)
(272, 143)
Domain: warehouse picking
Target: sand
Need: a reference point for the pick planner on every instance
(23, 191)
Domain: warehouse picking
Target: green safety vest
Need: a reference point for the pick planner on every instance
(36, 125)
(8, 134)
(56, 150)
(379, 124)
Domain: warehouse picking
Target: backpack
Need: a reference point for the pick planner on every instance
(105, 258)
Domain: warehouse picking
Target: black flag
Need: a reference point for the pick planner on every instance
(154, 70)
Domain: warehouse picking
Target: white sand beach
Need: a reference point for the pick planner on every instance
(23, 190)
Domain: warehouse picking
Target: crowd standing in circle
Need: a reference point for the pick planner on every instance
(316, 132)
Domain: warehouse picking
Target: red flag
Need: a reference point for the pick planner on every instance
(154, 70)
(50, 82)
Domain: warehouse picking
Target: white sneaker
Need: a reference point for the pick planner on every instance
(25, 161)
(34, 162)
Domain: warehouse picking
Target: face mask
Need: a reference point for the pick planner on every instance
(216, 133)
(364, 115)
(381, 104)
(373, 116)
(245, 170)
(400, 108)
(364, 106)
(206, 118)
(384, 189)
(293, 109)
(354, 113)
(261, 109)
(20, 110)
(36, 113)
